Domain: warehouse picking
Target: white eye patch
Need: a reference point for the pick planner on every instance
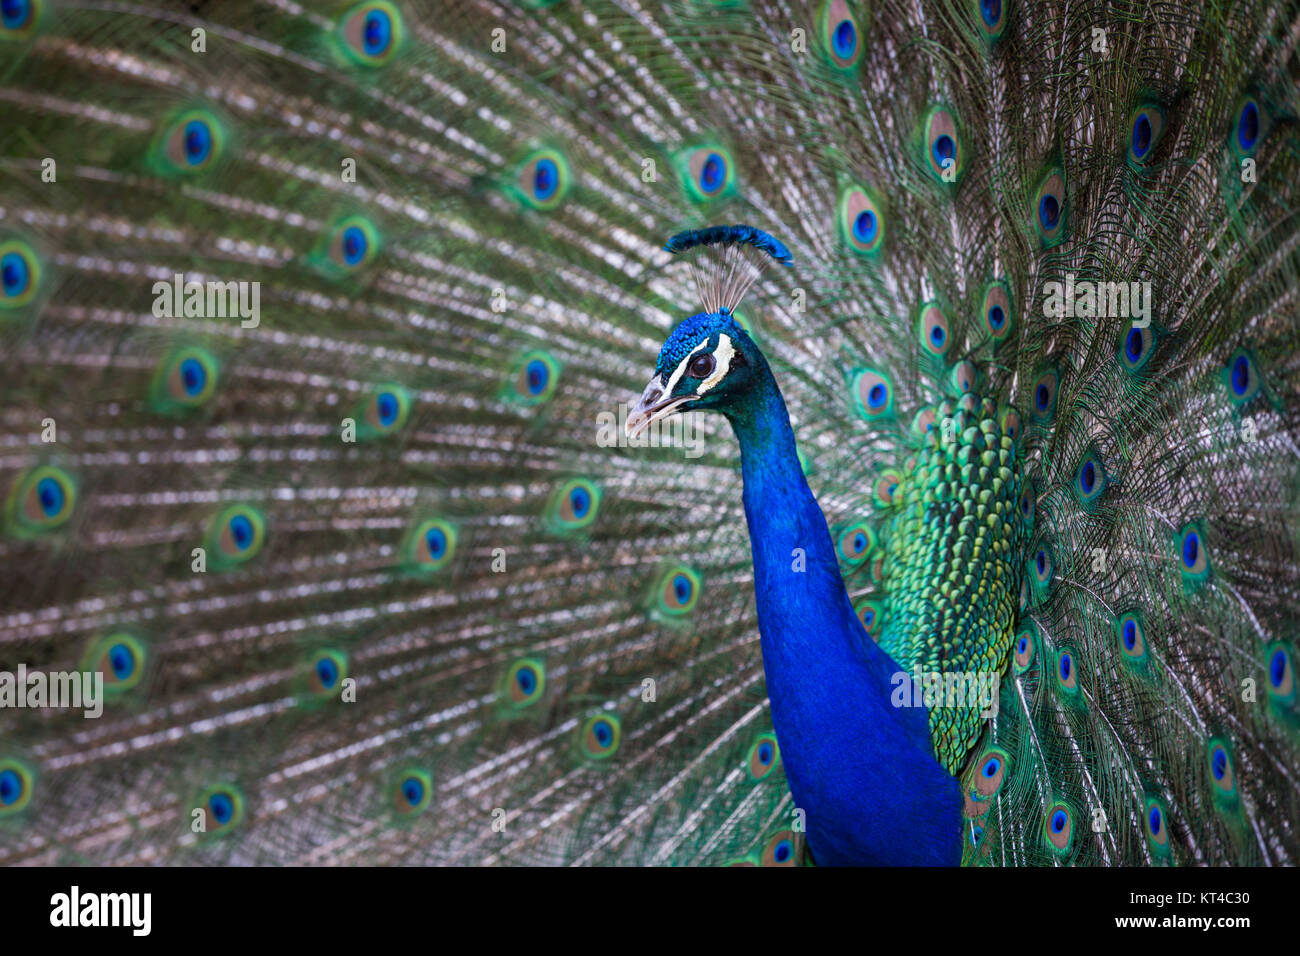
(722, 357)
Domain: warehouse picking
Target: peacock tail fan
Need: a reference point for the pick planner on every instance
(314, 329)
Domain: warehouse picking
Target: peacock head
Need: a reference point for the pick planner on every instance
(709, 361)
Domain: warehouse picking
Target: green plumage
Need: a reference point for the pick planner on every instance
(438, 618)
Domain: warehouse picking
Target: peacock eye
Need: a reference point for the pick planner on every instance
(702, 366)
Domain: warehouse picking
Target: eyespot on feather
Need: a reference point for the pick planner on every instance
(431, 545)
(17, 782)
(371, 34)
(598, 736)
(997, 315)
(841, 35)
(235, 536)
(20, 274)
(222, 809)
(192, 143)
(1058, 828)
(708, 172)
(861, 220)
(535, 378)
(120, 657)
(20, 19)
(873, 394)
(991, 15)
(783, 848)
(678, 591)
(542, 180)
(1146, 124)
(40, 500)
(574, 505)
(933, 330)
(1130, 633)
(764, 757)
(871, 615)
(1049, 208)
(944, 155)
(1193, 556)
(411, 792)
(855, 543)
(524, 683)
(1024, 648)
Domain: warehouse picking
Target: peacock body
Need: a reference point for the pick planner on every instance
(314, 316)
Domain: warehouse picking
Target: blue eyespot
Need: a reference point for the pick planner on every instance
(602, 732)
(11, 787)
(122, 661)
(526, 679)
(327, 671)
(1218, 762)
(1194, 557)
(1040, 559)
(1049, 212)
(1059, 820)
(436, 540)
(1087, 477)
(765, 753)
(1248, 126)
(538, 376)
(865, 226)
(1133, 344)
(1066, 667)
(580, 500)
(546, 179)
(354, 245)
(997, 317)
(1241, 377)
(1240, 374)
(198, 142)
(15, 14)
(193, 376)
(241, 532)
(876, 397)
(937, 335)
(1154, 820)
(1042, 397)
(844, 40)
(1022, 647)
(50, 495)
(943, 149)
(682, 588)
(713, 174)
(412, 791)
(1277, 668)
(14, 274)
(1141, 135)
(387, 407)
(1129, 631)
(991, 767)
(991, 11)
(222, 807)
(377, 33)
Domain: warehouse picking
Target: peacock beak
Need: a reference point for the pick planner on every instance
(652, 406)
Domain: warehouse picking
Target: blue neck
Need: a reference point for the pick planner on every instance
(863, 770)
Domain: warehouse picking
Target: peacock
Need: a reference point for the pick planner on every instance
(958, 522)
